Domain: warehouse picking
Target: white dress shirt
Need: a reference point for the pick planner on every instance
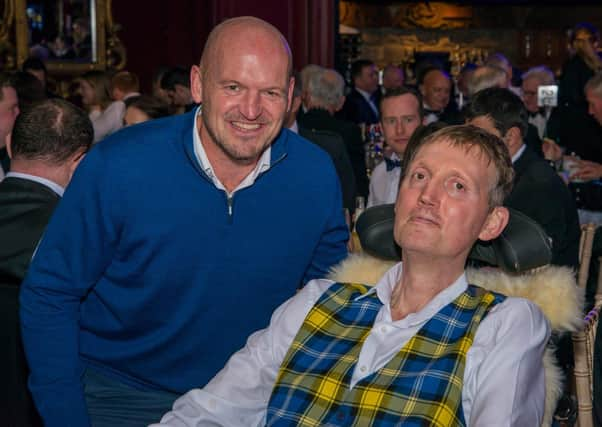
(540, 121)
(503, 377)
(384, 184)
(262, 165)
(107, 121)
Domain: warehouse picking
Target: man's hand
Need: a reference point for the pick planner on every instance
(551, 150)
(587, 170)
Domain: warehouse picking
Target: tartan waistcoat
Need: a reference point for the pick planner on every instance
(420, 386)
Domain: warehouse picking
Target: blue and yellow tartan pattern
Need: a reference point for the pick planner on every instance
(420, 386)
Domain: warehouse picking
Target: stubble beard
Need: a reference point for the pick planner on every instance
(230, 150)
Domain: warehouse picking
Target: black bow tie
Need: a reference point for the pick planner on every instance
(540, 112)
(392, 164)
(436, 113)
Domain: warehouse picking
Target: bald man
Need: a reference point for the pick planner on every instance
(144, 285)
(435, 88)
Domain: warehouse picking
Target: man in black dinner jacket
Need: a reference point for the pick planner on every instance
(47, 142)
(361, 104)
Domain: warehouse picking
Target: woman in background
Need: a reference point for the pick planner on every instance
(106, 115)
(143, 108)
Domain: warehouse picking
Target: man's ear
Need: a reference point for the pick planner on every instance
(296, 105)
(495, 223)
(8, 140)
(514, 138)
(196, 84)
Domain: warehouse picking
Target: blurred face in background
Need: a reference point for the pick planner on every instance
(87, 93)
(368, 79)
(134, 116)
(595, 105)
(436, 90)
(529, 94)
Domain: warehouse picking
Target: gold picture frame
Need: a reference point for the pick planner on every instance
(107, 50)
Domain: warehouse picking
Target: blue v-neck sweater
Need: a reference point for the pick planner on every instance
(148, 273)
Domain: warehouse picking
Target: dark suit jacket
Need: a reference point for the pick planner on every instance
(357, 110)
(333, 144)
(540, 194)
(25, 209)
(352, 137)
(4, 160)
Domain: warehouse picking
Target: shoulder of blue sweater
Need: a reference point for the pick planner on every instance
(146, 135)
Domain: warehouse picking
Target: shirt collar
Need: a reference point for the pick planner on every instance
(365, 94)
(46, 182)
(199, 151)
(384, 289)
(519, 153)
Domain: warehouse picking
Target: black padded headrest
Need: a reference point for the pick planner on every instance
(522, 246)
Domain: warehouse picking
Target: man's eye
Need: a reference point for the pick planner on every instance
(232, 88)
(418, 176)
(458, 186)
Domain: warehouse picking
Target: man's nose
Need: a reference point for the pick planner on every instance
(399, 127)
(250, 106)
(431, 194)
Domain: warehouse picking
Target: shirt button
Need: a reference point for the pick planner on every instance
(383, 329)
(363, 369)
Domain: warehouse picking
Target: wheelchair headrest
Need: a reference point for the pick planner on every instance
(522, 246)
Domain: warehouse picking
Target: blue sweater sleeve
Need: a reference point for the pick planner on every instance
(332, 247)
(73, 253)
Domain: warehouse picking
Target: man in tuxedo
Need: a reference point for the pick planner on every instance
(401, 114)
(361, 104)
(324, 96)
(435, 85)
(47, 142)
(9, 109)
(538, 191)
(538, 116)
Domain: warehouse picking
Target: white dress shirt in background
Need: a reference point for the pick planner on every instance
(384, 184)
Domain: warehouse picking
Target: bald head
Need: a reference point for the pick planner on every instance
(245, 86)
(245, 31)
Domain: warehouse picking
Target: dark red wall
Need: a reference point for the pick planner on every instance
(173, 32)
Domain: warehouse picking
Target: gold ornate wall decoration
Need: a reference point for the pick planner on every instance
(106, 49)
(431, 15)
(427, 15)
(116, 52)
(7, 45)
